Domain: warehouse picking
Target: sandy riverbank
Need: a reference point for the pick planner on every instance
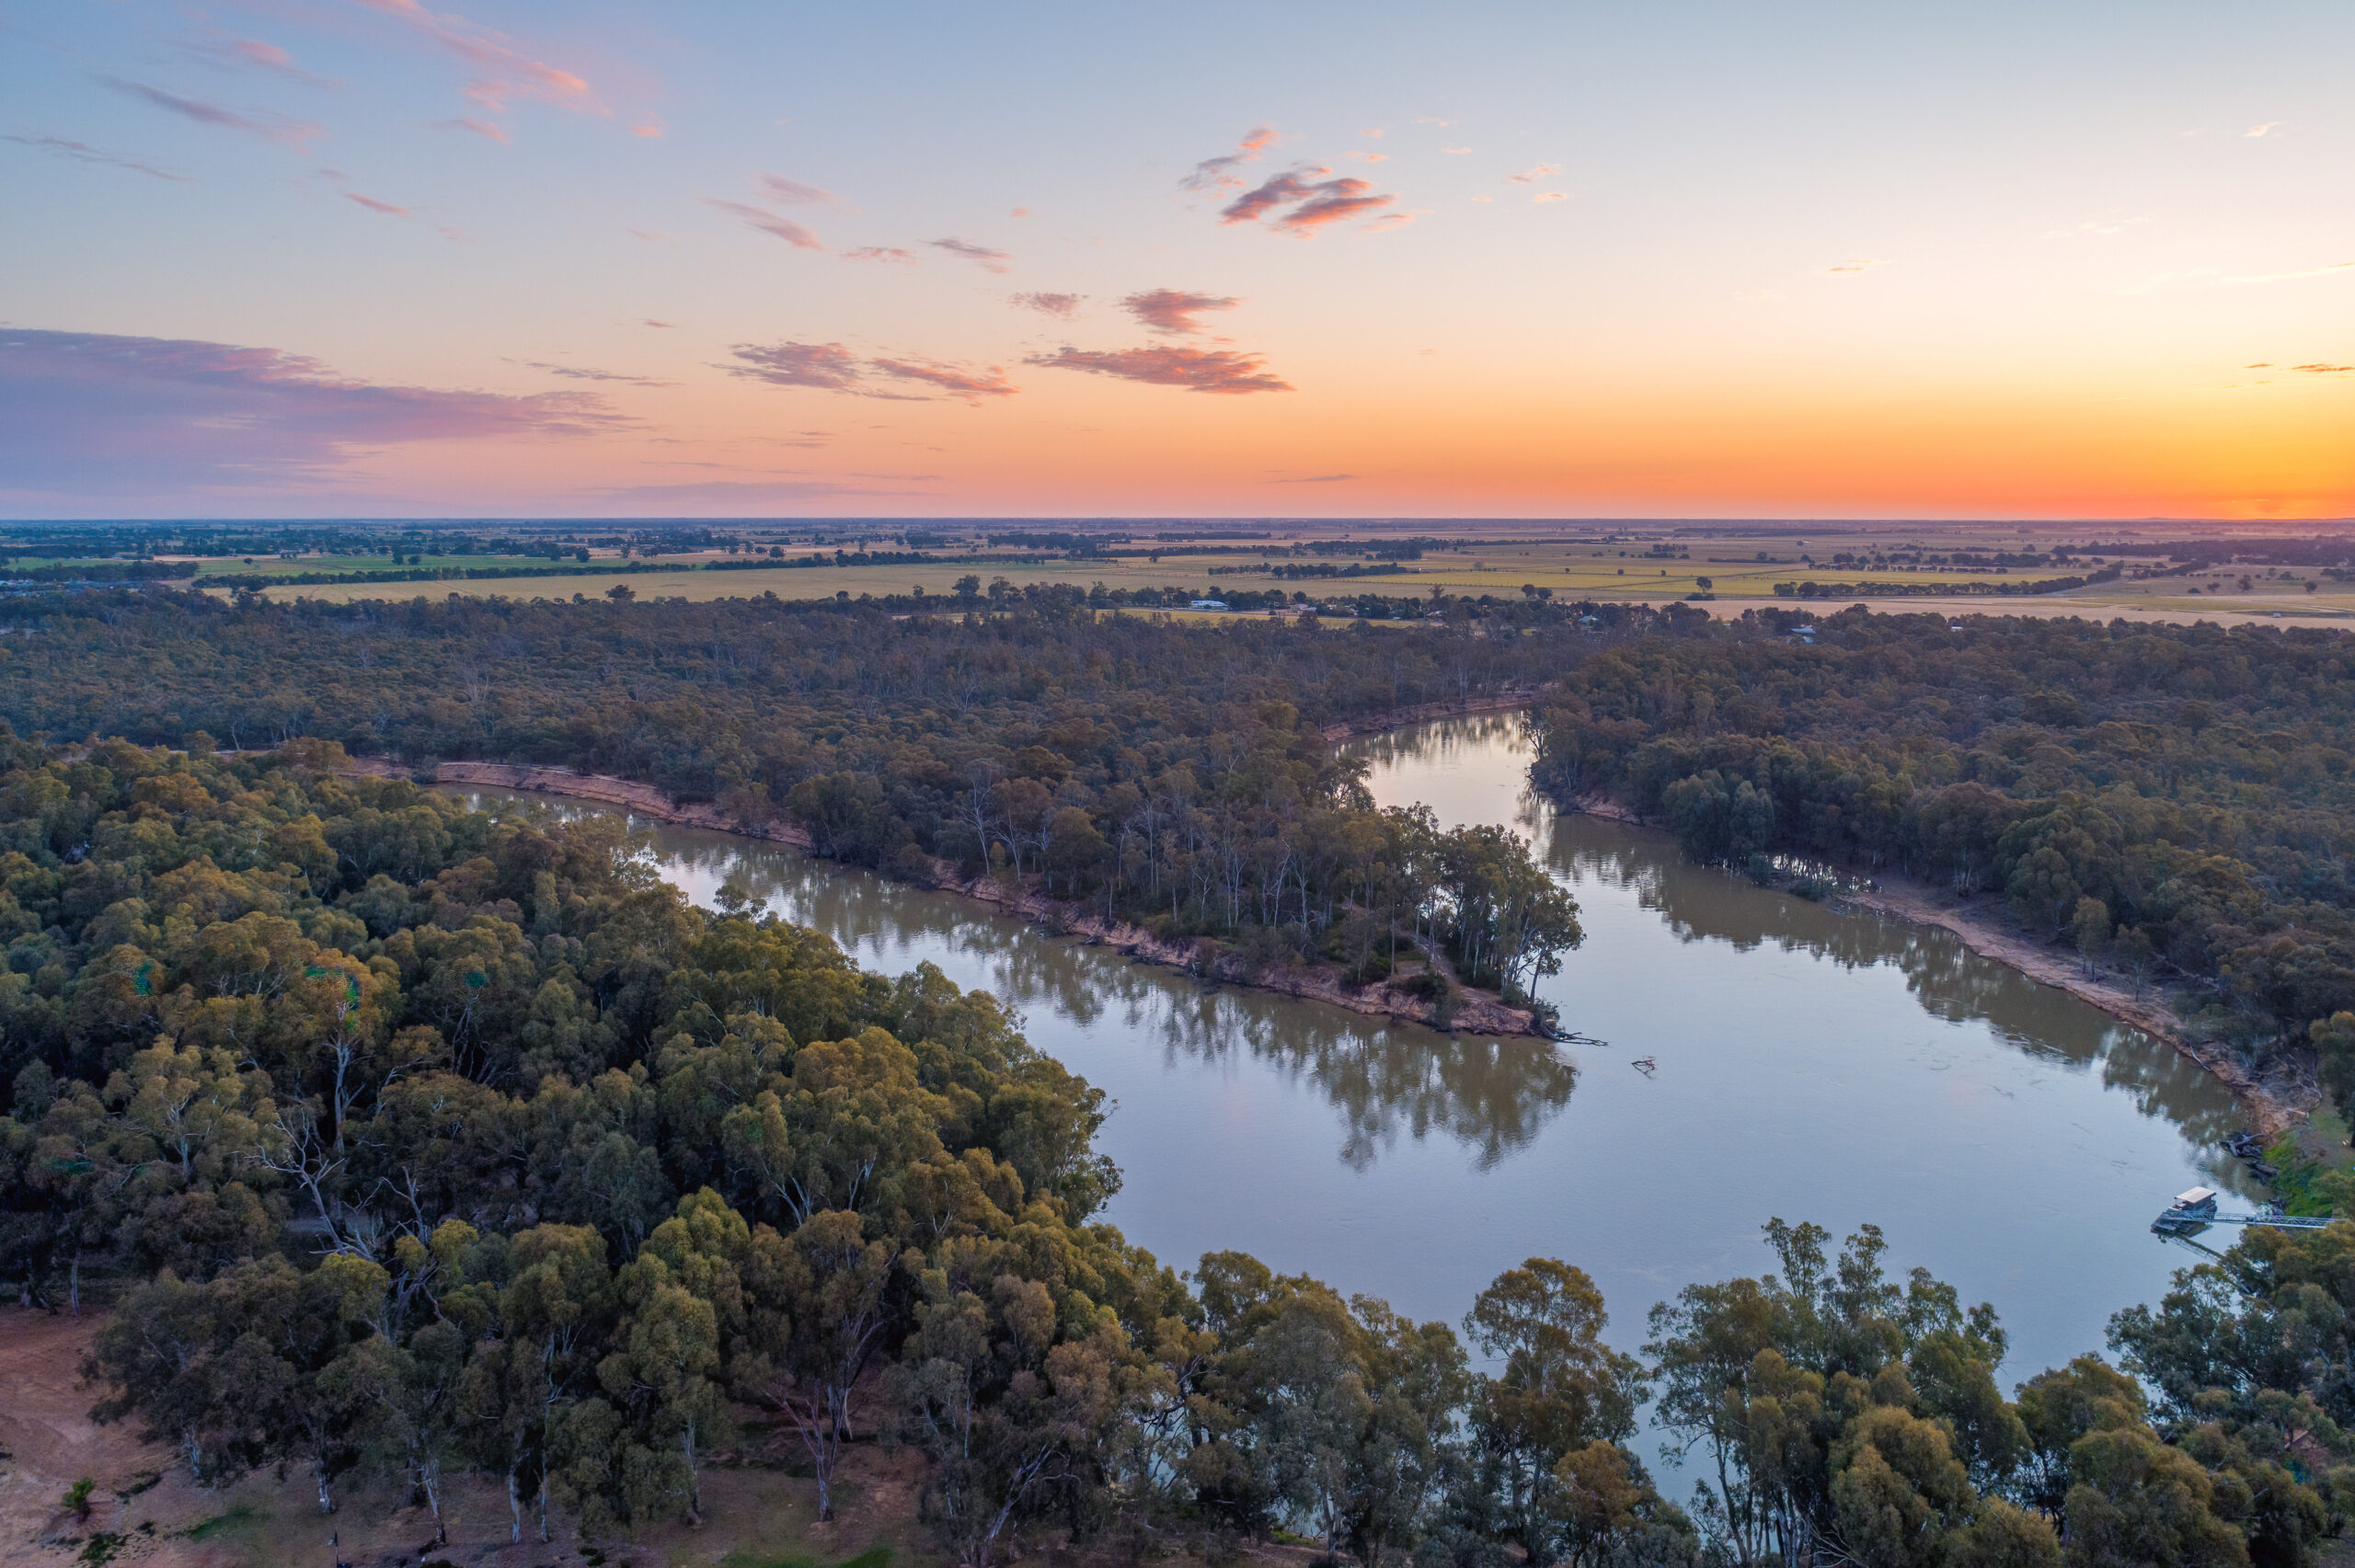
(1987, 931)
(1990, 934)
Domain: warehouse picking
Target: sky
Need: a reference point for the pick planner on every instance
(1679, 259)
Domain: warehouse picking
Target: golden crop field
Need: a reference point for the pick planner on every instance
(1652, 565)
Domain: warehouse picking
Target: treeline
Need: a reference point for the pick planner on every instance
(418, 1145)
(2175, 801)
(1811, 589)
(102, 571)
(1173, 774)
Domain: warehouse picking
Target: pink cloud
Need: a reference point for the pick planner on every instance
(1389, 221)
(1529, 176)
(1171, 310)
(376, 206)
(255, 55)
(970, 385)
(79, 409)
(1314, 203)
(981, 256)
(497, 132)
(1196, 370)
(1219, 173)
(1344, 200)
(651, 322)
(282, 129)
(82, 152)
(768, 222)
(651, 130)
(882, 253)
(1062, 307)
(1551, 196)
(506, 73)
(830, 366)
(792, 192)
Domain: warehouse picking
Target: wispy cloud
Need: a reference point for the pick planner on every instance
(1219, 172)
(1314, 203)
(2265, 130)
(284, 129)
(970, 384)
(889, 252)
(1854, 264)
(376, 206)
(1530, 175)
(649, 320)
(1196, 370)
(2319, 369)
(2336, 270)
(769, 223)
(1433, 120)
(792, 192)
(253, 53)
(650, 128)
(489, 128)
(1390, 221)
(981, 255)
(1314, 479)
(1174, 309)
(82, 152)
(79, 408)
(582, 372)
(506, 73)
(1062, 307)
(1551, 196)
(732, 495)
(830, 366)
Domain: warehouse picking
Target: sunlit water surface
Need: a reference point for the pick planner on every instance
(1811, 1063)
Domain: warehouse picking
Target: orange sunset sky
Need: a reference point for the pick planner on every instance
(370, 257)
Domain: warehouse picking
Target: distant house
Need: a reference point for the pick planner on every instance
(1208, 605)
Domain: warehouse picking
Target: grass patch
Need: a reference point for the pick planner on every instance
(2306, 1185)
(244, 1516)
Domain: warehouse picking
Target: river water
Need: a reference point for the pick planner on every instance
(1811, 1064)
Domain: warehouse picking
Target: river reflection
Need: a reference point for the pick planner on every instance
(1811, 1063)
(1486, 1097)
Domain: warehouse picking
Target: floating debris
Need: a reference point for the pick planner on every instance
(1646, 1066)
(1572, 1038)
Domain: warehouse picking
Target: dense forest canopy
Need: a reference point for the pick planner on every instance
(2175, 801)
(415, 1143)
(1173, 774)
(419, 1143)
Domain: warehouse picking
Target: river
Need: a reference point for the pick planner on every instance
(1811, 1064)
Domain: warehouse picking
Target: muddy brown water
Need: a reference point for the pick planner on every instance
(1811, 1064)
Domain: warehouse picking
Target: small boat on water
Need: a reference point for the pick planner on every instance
(2190, 1210)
